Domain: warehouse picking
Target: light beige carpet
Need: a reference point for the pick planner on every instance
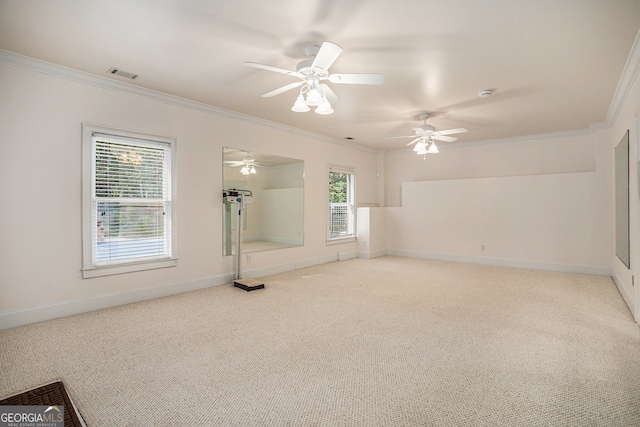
(380, 342)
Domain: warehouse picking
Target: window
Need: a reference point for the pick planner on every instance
(342, 204)
(129, 221)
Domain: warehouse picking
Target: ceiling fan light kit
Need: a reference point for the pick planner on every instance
(300, 106)
(420, 148)
(316, 97)
(247, 165)
(424, 147)
(426, 135)
(312, 72)
(324, 108)
(248, 169)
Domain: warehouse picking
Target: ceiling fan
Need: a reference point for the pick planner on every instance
(311, 73)
(248, 165)
(426, 135)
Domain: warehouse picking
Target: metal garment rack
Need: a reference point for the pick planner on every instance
(241, 198)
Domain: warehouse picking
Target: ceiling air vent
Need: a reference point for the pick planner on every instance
(118, 72)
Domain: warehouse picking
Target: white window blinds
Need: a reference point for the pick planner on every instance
(341, 217)
(131, 200)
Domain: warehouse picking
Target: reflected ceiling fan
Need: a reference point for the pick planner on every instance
(248, 165)
(426, 135)
(312, 72)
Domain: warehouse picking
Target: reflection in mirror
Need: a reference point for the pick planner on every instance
(623, 240)
(274, 217)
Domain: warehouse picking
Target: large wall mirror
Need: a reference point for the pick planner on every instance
(622, 201)
(274, 218)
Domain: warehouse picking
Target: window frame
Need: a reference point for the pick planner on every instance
(89, 267)
(351, 237)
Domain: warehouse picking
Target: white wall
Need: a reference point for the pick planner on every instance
(281, 217)
(539, 202)
(628, 118)
(536, 155)
(40, 175)
(372, 232)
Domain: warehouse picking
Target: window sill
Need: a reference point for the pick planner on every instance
(340, 240)
(128, 268)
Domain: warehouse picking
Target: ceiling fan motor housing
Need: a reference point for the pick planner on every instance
(306, 69)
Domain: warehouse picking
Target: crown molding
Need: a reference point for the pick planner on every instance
(629, 74)
(59, 71)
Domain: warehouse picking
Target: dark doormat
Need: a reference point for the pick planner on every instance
(52, 394)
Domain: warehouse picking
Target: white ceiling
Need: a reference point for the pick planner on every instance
(554, 64)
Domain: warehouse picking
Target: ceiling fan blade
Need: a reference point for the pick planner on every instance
(327, 55)
(282, 89)
(413, 142)
(274, 69)
(420, 131)
(331, 96)
(451, 131)
(397, 137)
(357, 79)
(443, 138)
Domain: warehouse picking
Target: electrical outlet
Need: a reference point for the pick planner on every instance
(483, 248)
(248, 258)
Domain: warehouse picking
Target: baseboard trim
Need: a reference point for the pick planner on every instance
(505, 262)
(371, 255)
(624, 293)
(342, 256)
(11, 319)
